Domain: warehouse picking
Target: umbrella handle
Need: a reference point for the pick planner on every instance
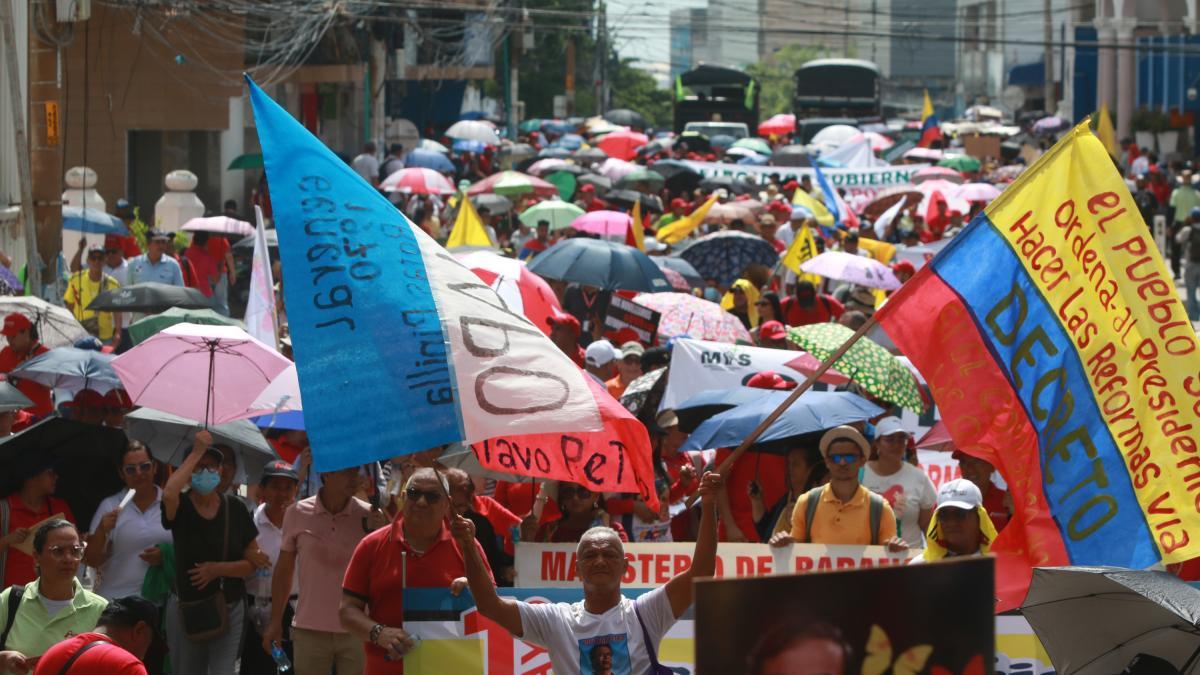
(805, 386)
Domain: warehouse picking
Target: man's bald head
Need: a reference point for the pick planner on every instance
(601, 535)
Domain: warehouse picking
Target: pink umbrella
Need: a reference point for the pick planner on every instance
(522, 290)
(211, 374)
(603, 223)
(220, 225)
(514, 180)
(923, 153)
(622, 144)
(937, 173)
(778, 125)
(685, 314)
(877, 140)
(615, 169)
(544, 166)
(417, 181)
(676, 279)
(978, 192)
(856, 269)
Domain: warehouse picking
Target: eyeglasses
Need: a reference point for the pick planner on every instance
(134, 469)
(844, 458)
(413, 494)
(569, 492)
(58, 551)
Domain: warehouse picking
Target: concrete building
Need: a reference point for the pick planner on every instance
(726, 33)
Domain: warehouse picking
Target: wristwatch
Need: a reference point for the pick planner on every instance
(373, 637)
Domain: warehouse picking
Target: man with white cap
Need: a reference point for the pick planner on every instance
(600, 358)
(960, 527)
(907, 488)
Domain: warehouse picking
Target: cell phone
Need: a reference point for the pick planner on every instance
(754, 489)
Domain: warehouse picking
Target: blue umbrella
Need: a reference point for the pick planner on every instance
(71, 369)
(603, 264)
(292, 420)
(753, 160)
(722, 141)
(725, 255)
(700, 407)
(557, 126)
(428, 159)
(813, 412)
(568, 141)
(468, 145)
(92, 221)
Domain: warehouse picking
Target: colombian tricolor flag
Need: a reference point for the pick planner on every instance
(1058, 349)
(930, 129)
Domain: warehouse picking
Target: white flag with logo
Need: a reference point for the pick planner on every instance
(260, 308)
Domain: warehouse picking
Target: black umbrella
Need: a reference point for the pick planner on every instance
(693, 141)
(683, 267)
(655, 146)
(86, 457)
(517, 151)
(603, 264)
(737, 186)
(791, 155)
(626, 118)
(554, 153)
(596, 180)
(149, 297)
(627, 198)
(592, 154)
(680, 177)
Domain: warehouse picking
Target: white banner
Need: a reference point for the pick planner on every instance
(699, 365)
(872, 177)
(650, 565)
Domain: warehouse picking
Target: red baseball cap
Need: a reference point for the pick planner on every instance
(678, 203)
(791, 185)
(587, 188)
(769, 379)
(772, 330)
(561, 318)
(904, 266)
(15, 323)
(112, 241)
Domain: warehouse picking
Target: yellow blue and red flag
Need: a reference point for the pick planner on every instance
(931, 130)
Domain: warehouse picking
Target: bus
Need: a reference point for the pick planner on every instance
(837, 88)
(711, 93)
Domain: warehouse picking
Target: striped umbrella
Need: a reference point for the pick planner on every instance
(417, 181)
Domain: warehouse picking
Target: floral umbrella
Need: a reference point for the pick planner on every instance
(871, 366)
(724, 256)
(685, 314)
(638, 392)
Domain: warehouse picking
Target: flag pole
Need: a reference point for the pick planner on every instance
(787, 403)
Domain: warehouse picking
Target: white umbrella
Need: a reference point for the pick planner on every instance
(856, 269)
(834, 135)
(430, 144)
(473, 130)
(56, 326)
(978, 192)
(219, 225)
(282, 395)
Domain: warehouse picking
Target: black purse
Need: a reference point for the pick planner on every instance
(206, 619)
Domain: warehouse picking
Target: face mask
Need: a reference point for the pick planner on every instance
(205, 481)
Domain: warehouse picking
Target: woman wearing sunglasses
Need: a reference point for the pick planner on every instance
(51, 608)
(124, 540)
(581, 512)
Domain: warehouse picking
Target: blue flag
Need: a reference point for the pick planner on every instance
(831, 200)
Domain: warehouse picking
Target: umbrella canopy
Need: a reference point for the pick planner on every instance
(71, 369)
(683, 267)
(521, 290)
(11, 398)
(473, 130)
(778, 125)
(560, 214)
(791, 155)
(615, 168)
(724, 256)
(1050, 124)
(937, 173)
(150, 297)
(209, 373)
(722, 141)
(639, 392)
(878, 141)
(887, 198)
(91, 221)
(592, 154)
(675, 278)
(737, 186)
(469, 145)
(517, 151)
(627, 198)
(495, 203)
(856, 269)
(568, 141)
(510, 183)
(530, 125)
(282, 395)
(143, 328)
(428, 159)
(963, 163)
(923, 153)
(685, 314)
(652, 179)
(622, 144)
(417, 181)
(248, 161)
(86, 457)
(430, 144)
(937, 438)
(754, 145)
(219, 225)
(544, 166)
(601, 183)
(813, 412)
(694, 141)
(170, 437)
(874, 368)
(603, 223)
(626, 118)
(603, 264)
(978, 192)
(1094, 620)
(834, 135)
(554, 153)
(55, 325)
(677, 173)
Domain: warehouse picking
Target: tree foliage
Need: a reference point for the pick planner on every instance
(636, 89)
(774, 76)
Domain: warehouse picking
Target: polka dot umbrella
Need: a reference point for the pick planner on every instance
(874, 368)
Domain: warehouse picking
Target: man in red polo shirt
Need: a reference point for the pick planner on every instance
(416, 551)
(123, 634)
(23, 345)
(30, 504)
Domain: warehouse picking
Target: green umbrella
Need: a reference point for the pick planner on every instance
(530, 126)
(251, 161)
(143, 328)
(962, 163)
(631, 179)
(756, 144)
(868, 364)
(559, 213)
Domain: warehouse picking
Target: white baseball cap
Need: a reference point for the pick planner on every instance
(888, 426)
(960, 493)
(600, 353)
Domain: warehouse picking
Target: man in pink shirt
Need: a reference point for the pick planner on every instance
(320, 533)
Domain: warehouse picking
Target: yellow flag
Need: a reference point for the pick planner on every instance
(468, 228)
(639, 234)
(879, 250)
(1106, 133)
(822, 214)
(927, 108)
(676, 231)
(803, 248)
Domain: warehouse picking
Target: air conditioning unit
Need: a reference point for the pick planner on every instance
(73, 10)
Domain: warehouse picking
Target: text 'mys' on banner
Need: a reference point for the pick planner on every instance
(1069, 361)
(398, 346)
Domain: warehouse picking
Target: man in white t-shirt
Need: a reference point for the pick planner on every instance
(366, 164)
(605, 632)
(907, 488)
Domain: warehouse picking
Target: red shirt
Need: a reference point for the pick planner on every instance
(286, 451)
(518, 498)
(501, 518)
(376, 575)
(993, 503)
(105, 658)
(42, 404)
(771, 472)
(18, 567)
(826, 308)
(204, 270)
(217, 247)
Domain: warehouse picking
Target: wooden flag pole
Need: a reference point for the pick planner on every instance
(796, 393)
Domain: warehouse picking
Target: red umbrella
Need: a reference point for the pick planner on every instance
(622, 144)
(515, 181)
(778, 125)
(521, 290)
(417, 181)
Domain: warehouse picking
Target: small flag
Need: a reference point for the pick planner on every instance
(803, 249)
(261, 316)
(822, 215)
(468, 228)
(1106, 133)
(636, 235)
(931, 131)
(676, 231)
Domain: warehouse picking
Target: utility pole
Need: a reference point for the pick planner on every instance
(377, 81)
(602, 86)
(1048, 36)
(21, 147)
(570, 79)
(514, 62)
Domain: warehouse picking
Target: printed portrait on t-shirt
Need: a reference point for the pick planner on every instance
(604, 655)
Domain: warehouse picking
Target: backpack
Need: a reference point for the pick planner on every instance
(813, 498)
(1193, 244)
